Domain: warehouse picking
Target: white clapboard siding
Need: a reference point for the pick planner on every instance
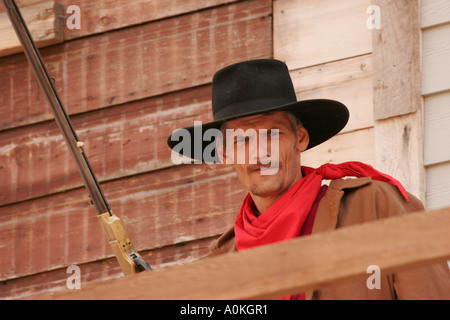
(437, 128)
(435, 23)
(348, 81)
(311, 32)
(438, 186)
(436, 60)
(434, 12)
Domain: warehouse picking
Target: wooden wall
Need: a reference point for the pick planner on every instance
(137, 70)
(134, 72)
(332, 53)
(435, 24)
(328, 49)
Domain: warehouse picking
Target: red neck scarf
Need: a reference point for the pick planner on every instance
(284, 219)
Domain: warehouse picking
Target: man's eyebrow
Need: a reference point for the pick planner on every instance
(268, 129)
(279, 126)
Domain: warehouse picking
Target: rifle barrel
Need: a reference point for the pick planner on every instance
(62, 119)
(129, 259)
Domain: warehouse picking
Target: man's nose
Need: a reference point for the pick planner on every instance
(259, 152)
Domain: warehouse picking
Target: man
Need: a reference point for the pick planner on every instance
(254, 105)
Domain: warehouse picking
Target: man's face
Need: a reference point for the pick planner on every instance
(284, 169)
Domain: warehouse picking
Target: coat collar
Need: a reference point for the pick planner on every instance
(327, 212)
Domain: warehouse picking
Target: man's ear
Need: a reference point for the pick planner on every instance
(302, 139)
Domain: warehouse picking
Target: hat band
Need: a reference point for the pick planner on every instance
(235, 110)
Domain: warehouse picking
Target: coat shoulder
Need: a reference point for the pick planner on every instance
(376, 200)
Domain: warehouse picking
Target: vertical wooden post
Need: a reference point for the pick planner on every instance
(398, 104)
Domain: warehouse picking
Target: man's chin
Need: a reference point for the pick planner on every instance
(267, 186)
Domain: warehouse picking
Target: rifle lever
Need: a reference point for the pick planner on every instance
(129, 259)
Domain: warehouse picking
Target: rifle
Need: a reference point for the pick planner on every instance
(129, 259)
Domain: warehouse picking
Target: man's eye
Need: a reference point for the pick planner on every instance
(241, 139)
(274, 132)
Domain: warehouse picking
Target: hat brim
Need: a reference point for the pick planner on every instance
(322, 118)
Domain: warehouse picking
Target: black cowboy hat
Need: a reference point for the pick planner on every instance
(260, 86)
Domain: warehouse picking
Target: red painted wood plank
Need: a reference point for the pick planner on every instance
(107, 15)
(119, 141)
(100, 270)
(158, 209)
(136, 63)
(186, 203)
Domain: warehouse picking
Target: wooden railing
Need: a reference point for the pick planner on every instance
(290, 267)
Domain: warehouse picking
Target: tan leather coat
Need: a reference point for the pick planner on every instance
(352, 201)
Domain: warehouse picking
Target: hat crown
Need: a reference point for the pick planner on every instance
(251, 86)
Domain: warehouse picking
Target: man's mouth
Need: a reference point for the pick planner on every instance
(266, 169)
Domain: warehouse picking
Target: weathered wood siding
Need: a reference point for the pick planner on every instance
(328, 49)
(137, 70)
(133, 73)
(333, 52)
(398, 105)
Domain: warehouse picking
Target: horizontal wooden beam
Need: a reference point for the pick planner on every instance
(42, 21)
(290, 267)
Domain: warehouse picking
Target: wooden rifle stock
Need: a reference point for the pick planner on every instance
(130, 261)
